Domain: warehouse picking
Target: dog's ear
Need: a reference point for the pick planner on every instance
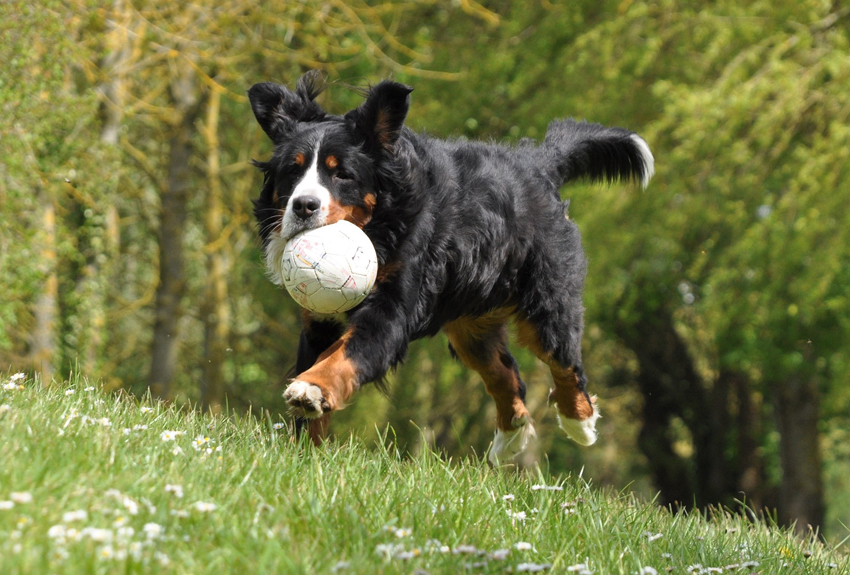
(380, 118)
(278, 109)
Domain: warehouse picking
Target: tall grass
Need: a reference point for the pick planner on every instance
(102, 483)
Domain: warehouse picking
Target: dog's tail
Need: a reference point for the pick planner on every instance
(585, 150)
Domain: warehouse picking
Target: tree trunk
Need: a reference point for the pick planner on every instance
(215, 311)
(172, 279)
(666, 377)
(93, 283)
(796, 403)
(43, 342)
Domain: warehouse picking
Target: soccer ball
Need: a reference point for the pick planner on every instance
(329, 269)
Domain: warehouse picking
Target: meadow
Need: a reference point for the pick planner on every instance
(94, 482)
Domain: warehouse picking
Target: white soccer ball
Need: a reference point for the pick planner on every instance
(329, 269)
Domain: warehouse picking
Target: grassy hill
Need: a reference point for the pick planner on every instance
(100, 483)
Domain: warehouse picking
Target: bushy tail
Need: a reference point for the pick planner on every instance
(585, 150)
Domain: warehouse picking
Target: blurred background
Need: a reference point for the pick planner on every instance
(718, 300)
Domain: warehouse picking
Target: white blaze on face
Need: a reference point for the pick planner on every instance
(308, 185)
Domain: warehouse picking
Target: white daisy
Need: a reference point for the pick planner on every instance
(21, 496)
(169, 435)
(205, 507)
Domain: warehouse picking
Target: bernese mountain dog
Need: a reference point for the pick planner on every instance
(469, 237)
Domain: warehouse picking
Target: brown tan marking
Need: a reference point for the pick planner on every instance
(571, 400)
(336, 376)
(331, 162)
(299, 159)
(479, 344)
(357, 215)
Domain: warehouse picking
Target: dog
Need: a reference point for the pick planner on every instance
(469, 237)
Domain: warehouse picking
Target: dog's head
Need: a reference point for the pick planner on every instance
(323, 168)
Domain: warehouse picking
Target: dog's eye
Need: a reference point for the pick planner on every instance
(299, 159)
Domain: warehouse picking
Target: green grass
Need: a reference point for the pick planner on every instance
(253, 501)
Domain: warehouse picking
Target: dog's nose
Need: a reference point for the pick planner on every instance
(305, 206)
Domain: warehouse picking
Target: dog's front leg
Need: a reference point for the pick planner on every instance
(326, 386)
(375, 340)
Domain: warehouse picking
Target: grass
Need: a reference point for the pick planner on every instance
(101, 483)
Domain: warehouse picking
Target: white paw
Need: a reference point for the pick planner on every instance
(305, 399)
(508, 444)
(582, 432)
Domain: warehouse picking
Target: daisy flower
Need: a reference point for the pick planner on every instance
(205, 507)
(21, 496)
(177, 490)
(169, 435)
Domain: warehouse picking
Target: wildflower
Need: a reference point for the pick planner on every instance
(162, 558)
(131, 506)
(89, 388)
(169, 435)
(405, 555)
(17, 377)
(104, 421)
(500, 554)
(749, 565)
(389, 550)
(547, 487)
(56, 532)
(518, 515)
(70, 392)
(12, 386)
(403, 532)
(21, 496)
(278, 427)
(200, 442)
(204, 507)
(97, 534)
(78, 515)
(340, 565)
(4, 408)
(508, 497)
(465, 549)
(523, 546)
(648, 571)
(532, 567)
(179, 513)
(4, 505)
(650, 537)
(125, 533)
(146, 409)
(176, 450)
(140, 427)
(177, 490)
(667, 556)
(153, 530)
(580, 568)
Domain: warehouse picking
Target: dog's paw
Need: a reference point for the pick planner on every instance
(306, 400)
(582, 432)
(508, 444)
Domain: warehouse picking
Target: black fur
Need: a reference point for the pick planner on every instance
(460, 228)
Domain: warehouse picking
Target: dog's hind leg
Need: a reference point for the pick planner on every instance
(481, 345)
(577, 410)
